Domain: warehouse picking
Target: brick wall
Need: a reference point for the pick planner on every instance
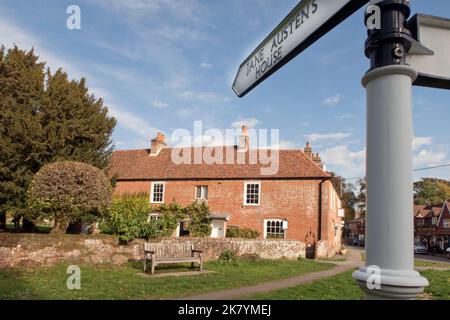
(296, 201)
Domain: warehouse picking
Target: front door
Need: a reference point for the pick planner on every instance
(310, 242)
(217, 228)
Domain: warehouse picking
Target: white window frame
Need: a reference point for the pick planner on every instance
(434, 221)
(152, 191)
(202, 194)
(444, 222)
(155, 216)
(282, 227)
(259, 193)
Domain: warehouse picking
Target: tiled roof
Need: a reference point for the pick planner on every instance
(139, 165)
(426, 211)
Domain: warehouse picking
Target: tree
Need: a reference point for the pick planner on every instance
(44, 117)
(347, 195)
(21, 92)
(361, 197)
(431, 191)
(69, 191)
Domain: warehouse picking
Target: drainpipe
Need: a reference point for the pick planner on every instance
(319, 231)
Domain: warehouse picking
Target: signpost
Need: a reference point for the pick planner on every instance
(402, 53)
(433, 64)
(304, 25)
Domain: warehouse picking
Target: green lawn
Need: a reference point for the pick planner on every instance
(420, 263)
(124, 283)
(343, 287)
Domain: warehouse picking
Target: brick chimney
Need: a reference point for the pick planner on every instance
(244, 140)
(308, 150)
(157, 144)
(317, 160)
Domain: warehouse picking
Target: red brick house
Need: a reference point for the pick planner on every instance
(432, 225)
(298, 202)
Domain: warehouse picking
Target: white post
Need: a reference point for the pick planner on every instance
(389, 271)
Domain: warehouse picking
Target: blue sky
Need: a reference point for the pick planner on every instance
(162, 64)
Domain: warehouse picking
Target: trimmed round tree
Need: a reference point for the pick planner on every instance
(68, 192)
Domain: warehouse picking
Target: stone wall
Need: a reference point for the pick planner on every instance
(46, 250)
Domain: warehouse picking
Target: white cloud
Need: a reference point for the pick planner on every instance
(314, 137)
(346, 116)
(422, 141)
(206, 97)
(332, 101)
(206, 65)
(426, 158)
(249, 122)
(160, 104)
(345, 162)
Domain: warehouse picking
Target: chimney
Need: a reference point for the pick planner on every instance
(308, 150)
(244, 140)
(317, 160)
(157, 144)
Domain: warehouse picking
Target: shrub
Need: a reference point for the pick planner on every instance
(200, 225)
(69, 192)
(236, 232)
(130, 218)
(228, 256)
(250, 257)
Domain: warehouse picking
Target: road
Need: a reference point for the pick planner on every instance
(425, 257)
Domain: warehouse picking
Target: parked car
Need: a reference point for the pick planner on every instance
(448, 252)
(357, 242)
(420, 248)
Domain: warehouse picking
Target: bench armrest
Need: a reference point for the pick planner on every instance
(151, 253)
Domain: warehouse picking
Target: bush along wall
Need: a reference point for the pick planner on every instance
(244, 233)
(132, 217)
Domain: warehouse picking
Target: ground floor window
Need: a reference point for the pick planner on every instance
(274, 229)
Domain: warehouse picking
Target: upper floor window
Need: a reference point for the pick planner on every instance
(434, 221)
(157, 192)
(447, 223)
(274, 229)
(201, 192)
(420, 222)
(252, 193)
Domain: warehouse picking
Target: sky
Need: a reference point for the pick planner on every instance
(160, 65)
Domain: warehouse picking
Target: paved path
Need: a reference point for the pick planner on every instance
(353, 261)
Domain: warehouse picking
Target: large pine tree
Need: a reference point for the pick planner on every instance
(44, 117)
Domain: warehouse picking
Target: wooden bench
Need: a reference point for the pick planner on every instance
(159, 253)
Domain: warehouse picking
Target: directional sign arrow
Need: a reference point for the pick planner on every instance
(304, 25)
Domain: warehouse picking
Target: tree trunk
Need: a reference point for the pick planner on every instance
(2, 220)
(28, 226)
(60, 225)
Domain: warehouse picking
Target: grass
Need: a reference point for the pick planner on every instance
(339, 287)
(343, 287)
(39, 228)
(124, 283)
(420, 263)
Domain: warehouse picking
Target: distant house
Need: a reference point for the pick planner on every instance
(432, 225)
(298, 202)
(355, 229)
